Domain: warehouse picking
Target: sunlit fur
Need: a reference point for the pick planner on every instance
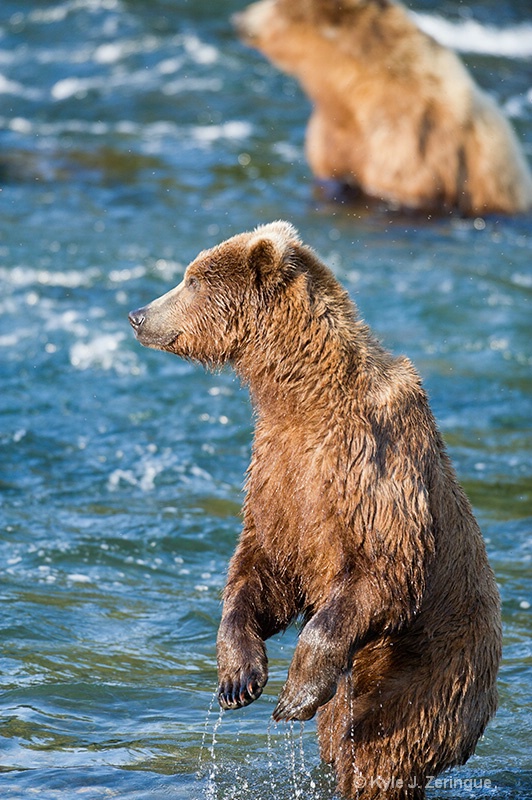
(353, 521)
(394, 113)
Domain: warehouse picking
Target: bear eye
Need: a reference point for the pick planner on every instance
(193, 283)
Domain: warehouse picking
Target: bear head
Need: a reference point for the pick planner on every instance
(212, 314)
(294, 32)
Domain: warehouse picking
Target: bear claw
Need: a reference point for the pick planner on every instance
(231, 696)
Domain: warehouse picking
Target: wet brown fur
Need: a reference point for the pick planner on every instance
(395, 114)
(353, 521)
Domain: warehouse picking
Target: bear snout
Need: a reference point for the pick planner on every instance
(242, 27)
(152, 324)
(136, 319)
(252, 21)
(145, 331)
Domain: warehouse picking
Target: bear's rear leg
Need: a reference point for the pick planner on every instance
(369, 764)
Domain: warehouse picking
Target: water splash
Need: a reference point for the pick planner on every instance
(280, 772)
(211, 788)
(301, 779)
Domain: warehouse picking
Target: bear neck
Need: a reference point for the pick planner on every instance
(298, 366)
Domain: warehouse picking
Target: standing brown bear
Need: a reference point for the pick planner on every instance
(395, 114)
(353, 521)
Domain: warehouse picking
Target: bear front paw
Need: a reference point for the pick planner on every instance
(301, 702)
(242, 689)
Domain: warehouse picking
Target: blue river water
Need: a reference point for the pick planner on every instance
(133, 134)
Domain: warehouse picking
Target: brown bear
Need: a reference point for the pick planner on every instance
(353, 521)
(395, 114)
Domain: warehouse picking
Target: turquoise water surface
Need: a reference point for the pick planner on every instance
(134, 134)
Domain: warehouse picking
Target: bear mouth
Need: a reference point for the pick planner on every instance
(171, 345)
(158, 342)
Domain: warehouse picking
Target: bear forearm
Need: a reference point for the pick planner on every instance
(249, 616)
(256, 598)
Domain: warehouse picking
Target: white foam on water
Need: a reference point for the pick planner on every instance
(9, 87)
(199, 51)
(160, 128)
(470, 36)
(17, 89)
(69, 87)
(18, 124)
(113, 52)
(59, 12)
(235, 129)
(21, 276)
(516, 106)
(288, 152)
(9, 340)
(104, 351)
(188, 84)
(76, 577)
(169, 65)
(148, 465)
(109, 53)
(522, 279)
(52, 129)
(127, 274)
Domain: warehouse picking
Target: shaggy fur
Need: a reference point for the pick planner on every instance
(395, 113)
(353, 521)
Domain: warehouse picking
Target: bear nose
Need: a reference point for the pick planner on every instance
(239, 23)
(136, 318)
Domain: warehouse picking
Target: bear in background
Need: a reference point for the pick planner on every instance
(395, 114)
(354, 522)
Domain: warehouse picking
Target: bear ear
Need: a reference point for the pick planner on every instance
(269, 251)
